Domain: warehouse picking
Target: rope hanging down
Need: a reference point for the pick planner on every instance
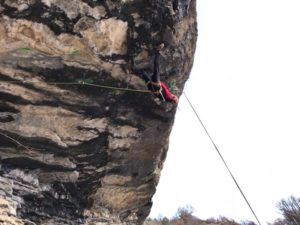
(78, 83)
(231, 174)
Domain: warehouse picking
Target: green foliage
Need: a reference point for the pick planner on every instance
(165, 221)
(142, 82)
(172, 84)
(24, 49)
(85, 81)
(116, 92)
(88, 81)
(73, 52)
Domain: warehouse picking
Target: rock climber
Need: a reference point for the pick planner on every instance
(157, 87)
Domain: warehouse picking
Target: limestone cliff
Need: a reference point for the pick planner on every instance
(81, 140)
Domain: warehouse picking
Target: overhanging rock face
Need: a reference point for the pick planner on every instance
(72, 152)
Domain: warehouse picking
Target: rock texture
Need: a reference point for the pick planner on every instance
(71, 152)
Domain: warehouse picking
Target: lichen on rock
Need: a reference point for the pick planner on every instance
(82, 142)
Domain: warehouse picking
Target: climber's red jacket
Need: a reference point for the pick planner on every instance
(168, 96)
(161, 91)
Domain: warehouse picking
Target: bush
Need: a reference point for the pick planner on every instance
(185, 212)
(290, 210)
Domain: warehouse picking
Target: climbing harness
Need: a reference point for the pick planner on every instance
(156, 92)
(222, 158)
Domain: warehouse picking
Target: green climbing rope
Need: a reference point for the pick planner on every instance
(79, 83)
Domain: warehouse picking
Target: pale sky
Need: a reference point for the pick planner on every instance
(245, 87)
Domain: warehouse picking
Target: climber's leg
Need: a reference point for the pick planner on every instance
(156, 76)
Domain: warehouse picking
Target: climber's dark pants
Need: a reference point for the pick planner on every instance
(155, 78)
(153, 82)
(175, 5)
(156, 73)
